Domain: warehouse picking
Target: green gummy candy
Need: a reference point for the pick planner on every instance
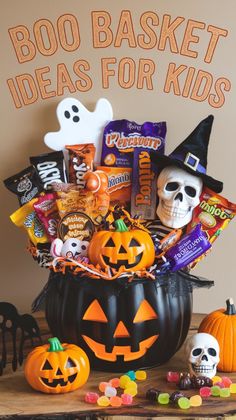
(163, 398)
(183, 403)
(225, 392)
(215, 391)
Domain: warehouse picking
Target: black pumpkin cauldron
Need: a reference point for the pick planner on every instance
(121, 325)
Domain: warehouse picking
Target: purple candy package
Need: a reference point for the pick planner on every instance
(189, 248)
(122, 137)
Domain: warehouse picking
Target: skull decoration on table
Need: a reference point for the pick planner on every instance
(178, 193)
(202, 352)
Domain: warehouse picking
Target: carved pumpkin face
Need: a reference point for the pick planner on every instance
(121, 334)
(122, 249)
(57, 368)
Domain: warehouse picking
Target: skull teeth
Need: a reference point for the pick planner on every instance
(203, 369)
(174, 211)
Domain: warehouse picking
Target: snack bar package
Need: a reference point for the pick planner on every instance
(119, 184)
(26, 217)
(50, 168)
(214, 213)
(144, 189)
(122, 137)
(47, 212)
(81, 157)
(25, 184)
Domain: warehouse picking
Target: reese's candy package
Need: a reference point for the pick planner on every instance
(119, 184)
(26, 217)
(122, 137)
(143, 196)
(47, 212)
(50, 168)
(214, 213)
(81, 158)
(25, 184)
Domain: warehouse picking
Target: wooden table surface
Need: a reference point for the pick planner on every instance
(19, 401)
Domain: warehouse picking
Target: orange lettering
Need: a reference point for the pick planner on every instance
(102, 34)
(24, 47)
(189, 37)
(125, 30)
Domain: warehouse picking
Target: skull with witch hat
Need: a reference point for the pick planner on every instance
(182, 175)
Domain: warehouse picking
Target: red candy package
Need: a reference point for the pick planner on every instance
(214, 213)
(47, 212)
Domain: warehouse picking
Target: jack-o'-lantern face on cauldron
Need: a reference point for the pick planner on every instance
(120, 339)
(122, 249)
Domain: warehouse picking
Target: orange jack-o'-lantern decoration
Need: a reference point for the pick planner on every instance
(57, 368)
(122, 249)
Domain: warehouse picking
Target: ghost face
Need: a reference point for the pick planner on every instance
(202, 352)
(178, 193)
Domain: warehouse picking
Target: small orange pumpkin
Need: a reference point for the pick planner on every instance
(222, 325)
(122, 249)
(57, 368)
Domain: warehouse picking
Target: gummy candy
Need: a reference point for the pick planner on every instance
(115, 401)
(163, 398)
(91, 397)
(132, 384)
(102, 386)
(195, 401)
(131, 391)
(232, 388)
(127, 399)
(225, 392)
(205, 391)
(152, 394)
(183, 403)
(103, 401)
(216, 379)
(115, 382)
(172, 377)
(110, 391)
(226, 381)
(141, 375)
(175, 396)
(131, 374)
(124, 380)
(215, 391)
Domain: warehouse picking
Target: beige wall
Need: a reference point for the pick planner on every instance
(23, 128)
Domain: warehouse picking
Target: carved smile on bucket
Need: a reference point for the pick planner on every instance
(59, 381)
(122, 263)
(100, 350)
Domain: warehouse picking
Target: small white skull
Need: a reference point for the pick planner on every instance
(202, 351)
(178, 193)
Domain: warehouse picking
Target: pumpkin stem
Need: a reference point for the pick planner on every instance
(55, 344)
(230, 310)
(120, 226)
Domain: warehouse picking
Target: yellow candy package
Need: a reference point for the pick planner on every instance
(26, 217)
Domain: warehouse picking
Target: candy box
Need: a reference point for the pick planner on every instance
(121, 137)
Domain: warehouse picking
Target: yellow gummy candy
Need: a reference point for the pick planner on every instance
(131, 391)
(103, 401)
(216, 379)
(124, 380)
(141, 375)
(232, 388)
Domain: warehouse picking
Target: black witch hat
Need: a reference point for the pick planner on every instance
(191, 155)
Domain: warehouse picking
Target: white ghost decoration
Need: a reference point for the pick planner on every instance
(80, 126)
(202, 352)
(178, 193)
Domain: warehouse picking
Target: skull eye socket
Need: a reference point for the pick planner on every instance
(70, 363)
(211, 351)
(110, 243)
(171, 186)
(196, 352)
(133, 242)
(190, 191)
(47, 366)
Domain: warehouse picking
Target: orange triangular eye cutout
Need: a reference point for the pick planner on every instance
(95, 313)
(145, 312)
